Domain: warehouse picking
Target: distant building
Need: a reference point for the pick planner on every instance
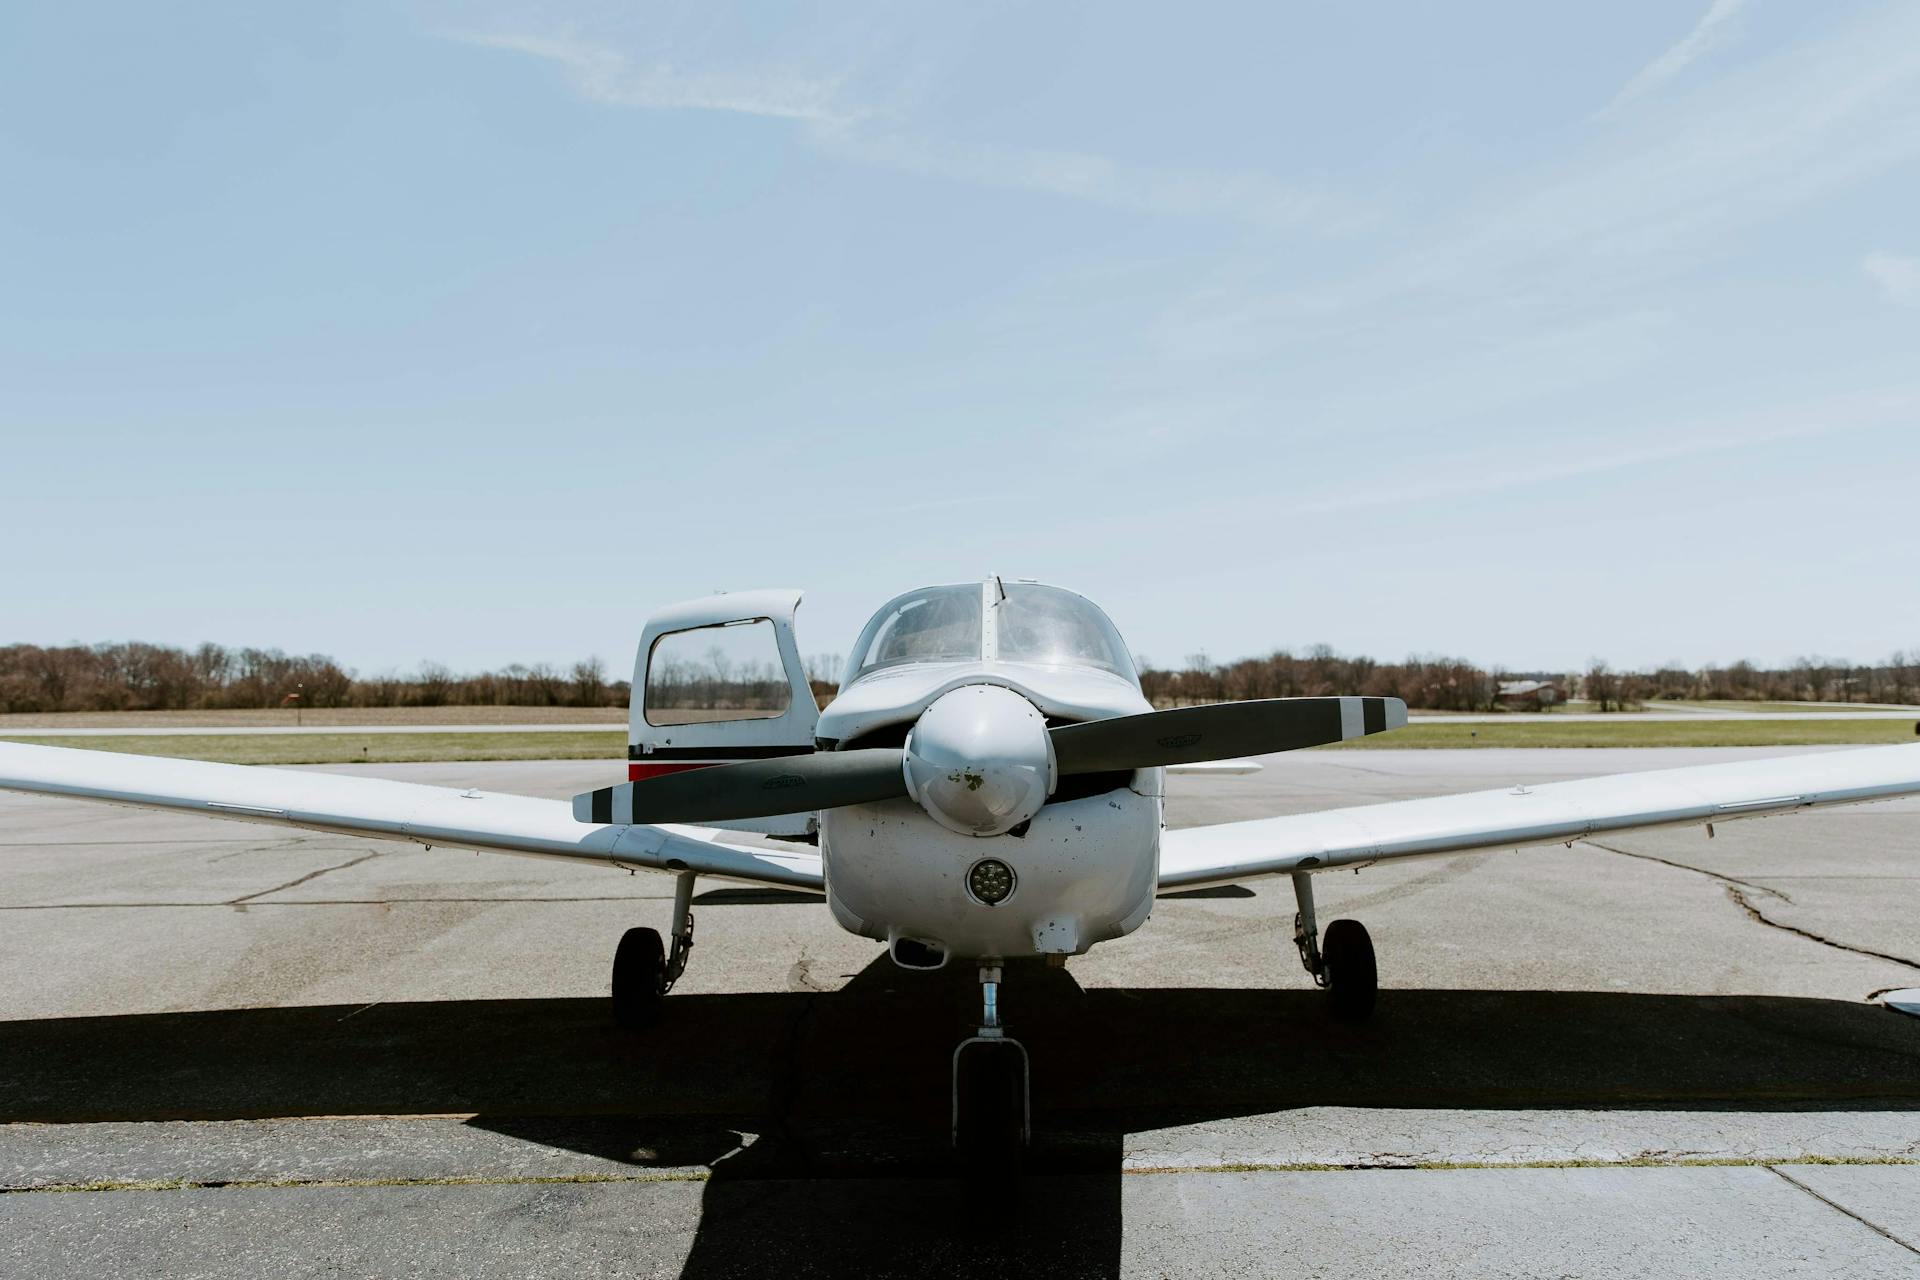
(1530, 695)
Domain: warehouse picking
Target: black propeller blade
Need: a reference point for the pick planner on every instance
(1220, 731)
(752, 788)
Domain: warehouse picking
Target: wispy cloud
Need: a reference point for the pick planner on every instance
(1467, 474)
(1615, 221)
(1244, 196)
(605, 75)
(1706, 33)
(1898, 277)
(1446, 472)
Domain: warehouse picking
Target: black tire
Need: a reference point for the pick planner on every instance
(991, 1087)
(1352, 979)
(639, 977)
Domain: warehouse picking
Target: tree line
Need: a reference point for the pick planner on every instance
(1455, 684)
(136, 676)
(1807, 680)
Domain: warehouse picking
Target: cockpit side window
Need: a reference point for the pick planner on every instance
(1058, 628)
(935, 624)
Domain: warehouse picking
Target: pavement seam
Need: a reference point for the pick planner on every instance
(1734, 889)
(1455, 1166)
(281, 1184)
(1868, 1223)
(703, 1175)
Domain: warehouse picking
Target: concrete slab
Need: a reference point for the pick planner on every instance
(1575, 1222)
(183, 1000)
(1586, 1222)
(1883, 1197)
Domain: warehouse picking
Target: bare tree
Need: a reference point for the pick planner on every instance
(589, 682)
(432, 685)
(1602, 687)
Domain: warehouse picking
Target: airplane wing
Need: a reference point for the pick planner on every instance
(1552, 813)
(432, 816)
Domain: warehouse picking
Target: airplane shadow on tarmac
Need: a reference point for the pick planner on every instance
(846, 1093)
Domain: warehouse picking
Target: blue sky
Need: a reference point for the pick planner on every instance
(473, 333)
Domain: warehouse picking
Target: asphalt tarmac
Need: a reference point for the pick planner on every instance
(227, 1050)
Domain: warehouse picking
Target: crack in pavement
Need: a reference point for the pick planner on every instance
(1699, 871)
(800, 976)
(1868, 1223)
(311, 875)
(1448, 871)
(1734, 888)
(293, 844)
(1756, 914)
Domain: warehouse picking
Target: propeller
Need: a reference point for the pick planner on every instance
(981, 759)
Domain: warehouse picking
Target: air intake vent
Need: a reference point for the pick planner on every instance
(917, 953)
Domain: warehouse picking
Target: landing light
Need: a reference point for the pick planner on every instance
(991, 881)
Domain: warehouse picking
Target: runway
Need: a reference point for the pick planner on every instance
(305, 1054)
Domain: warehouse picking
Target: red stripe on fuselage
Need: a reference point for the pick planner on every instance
(637, 771)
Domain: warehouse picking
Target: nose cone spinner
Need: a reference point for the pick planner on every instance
(979, 760)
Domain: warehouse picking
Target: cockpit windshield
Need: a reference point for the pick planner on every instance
(1058, 628)
(1029, 623)
(933, 624)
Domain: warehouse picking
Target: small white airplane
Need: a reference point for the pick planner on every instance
(987, 785)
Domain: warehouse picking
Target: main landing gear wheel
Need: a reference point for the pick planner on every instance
(639, 978)
(1342, 963)
(1353, 981)
(644, 969)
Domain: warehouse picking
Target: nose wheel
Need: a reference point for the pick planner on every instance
(992, 1106)
(1342, 964)
(645, 968)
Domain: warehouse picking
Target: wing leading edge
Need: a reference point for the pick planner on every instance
(1551, 813)
(433, 816)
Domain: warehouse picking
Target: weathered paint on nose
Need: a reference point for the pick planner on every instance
(979, 760)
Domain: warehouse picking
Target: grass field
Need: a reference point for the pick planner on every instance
(349, 748)
(345, 717)
(366, 748)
